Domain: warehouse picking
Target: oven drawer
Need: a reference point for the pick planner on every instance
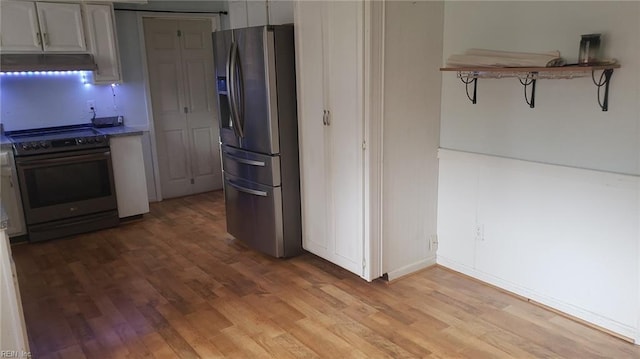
(254, 214)
(75, 225)
(252, 166)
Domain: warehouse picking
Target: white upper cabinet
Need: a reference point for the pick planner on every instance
(330, 70)
(61, 27)
(20, 29)
(257, 13)
(41, 26)
(237, 14)
(280, 12)
(246, 13)
(102, 42)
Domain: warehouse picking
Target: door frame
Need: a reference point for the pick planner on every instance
(215, 25)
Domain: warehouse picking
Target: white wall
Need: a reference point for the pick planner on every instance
(566, 127)
(564, 236)
(412, 55)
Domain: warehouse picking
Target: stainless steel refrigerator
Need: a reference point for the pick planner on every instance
(256, 89)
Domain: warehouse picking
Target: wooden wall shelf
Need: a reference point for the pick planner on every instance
(529, 75)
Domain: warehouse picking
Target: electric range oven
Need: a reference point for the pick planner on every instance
(66, 181)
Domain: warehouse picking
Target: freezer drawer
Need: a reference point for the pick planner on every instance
(251, 166)
(254, 214)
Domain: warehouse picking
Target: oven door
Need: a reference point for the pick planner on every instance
(64, 185)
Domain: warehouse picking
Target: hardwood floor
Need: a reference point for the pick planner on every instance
(175, 285)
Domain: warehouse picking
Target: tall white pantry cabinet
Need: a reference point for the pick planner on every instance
(329, 46)
(368, 157)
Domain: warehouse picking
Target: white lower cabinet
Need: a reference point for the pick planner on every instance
(129, 175)
(14, 335)
(10, 195)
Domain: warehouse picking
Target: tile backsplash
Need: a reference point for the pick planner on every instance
(34, 101)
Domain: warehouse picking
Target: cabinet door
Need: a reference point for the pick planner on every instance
(102, 42)
(10, 195)
(61, 27)
(256, 13)
(14, 334)
(237, 14)
(311, 130)
(329, 49)
(129, 175)
(20, 31)
(280, 12)
(344, 64)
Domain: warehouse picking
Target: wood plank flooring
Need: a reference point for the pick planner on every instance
(175, 285)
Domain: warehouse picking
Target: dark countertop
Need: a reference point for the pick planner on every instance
(4, 140)
(109, 131)
(119, 131)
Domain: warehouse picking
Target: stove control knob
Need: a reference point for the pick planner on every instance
(44, 144)
(81, 141)
(91, 140)
(25, 146)
(99, 139)
(35, 145)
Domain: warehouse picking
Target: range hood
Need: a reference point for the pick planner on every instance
(46, 62)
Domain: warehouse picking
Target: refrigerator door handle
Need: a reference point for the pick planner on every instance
(231, 88)
(233, 72)
(238, 96)
(247, 190)
(245, 161)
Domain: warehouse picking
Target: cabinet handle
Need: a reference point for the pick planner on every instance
(324, 117)
(46, 38)
(186, 110)
(328, 118)
(39, 37)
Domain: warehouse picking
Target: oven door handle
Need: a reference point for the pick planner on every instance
(31, 163)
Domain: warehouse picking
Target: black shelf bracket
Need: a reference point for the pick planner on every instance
(529, 77)
(604, 80)
(530, 81)
(468, 80)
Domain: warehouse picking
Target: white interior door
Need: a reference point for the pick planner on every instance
(180, 62)
(202, 123)
(168, 103)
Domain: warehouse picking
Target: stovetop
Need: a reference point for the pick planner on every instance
(56, 139)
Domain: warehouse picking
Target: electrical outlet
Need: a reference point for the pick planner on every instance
(433, 243)
(480, 232)
(91, 106)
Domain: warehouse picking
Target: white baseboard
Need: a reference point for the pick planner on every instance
(413, 267)
(567, 308)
